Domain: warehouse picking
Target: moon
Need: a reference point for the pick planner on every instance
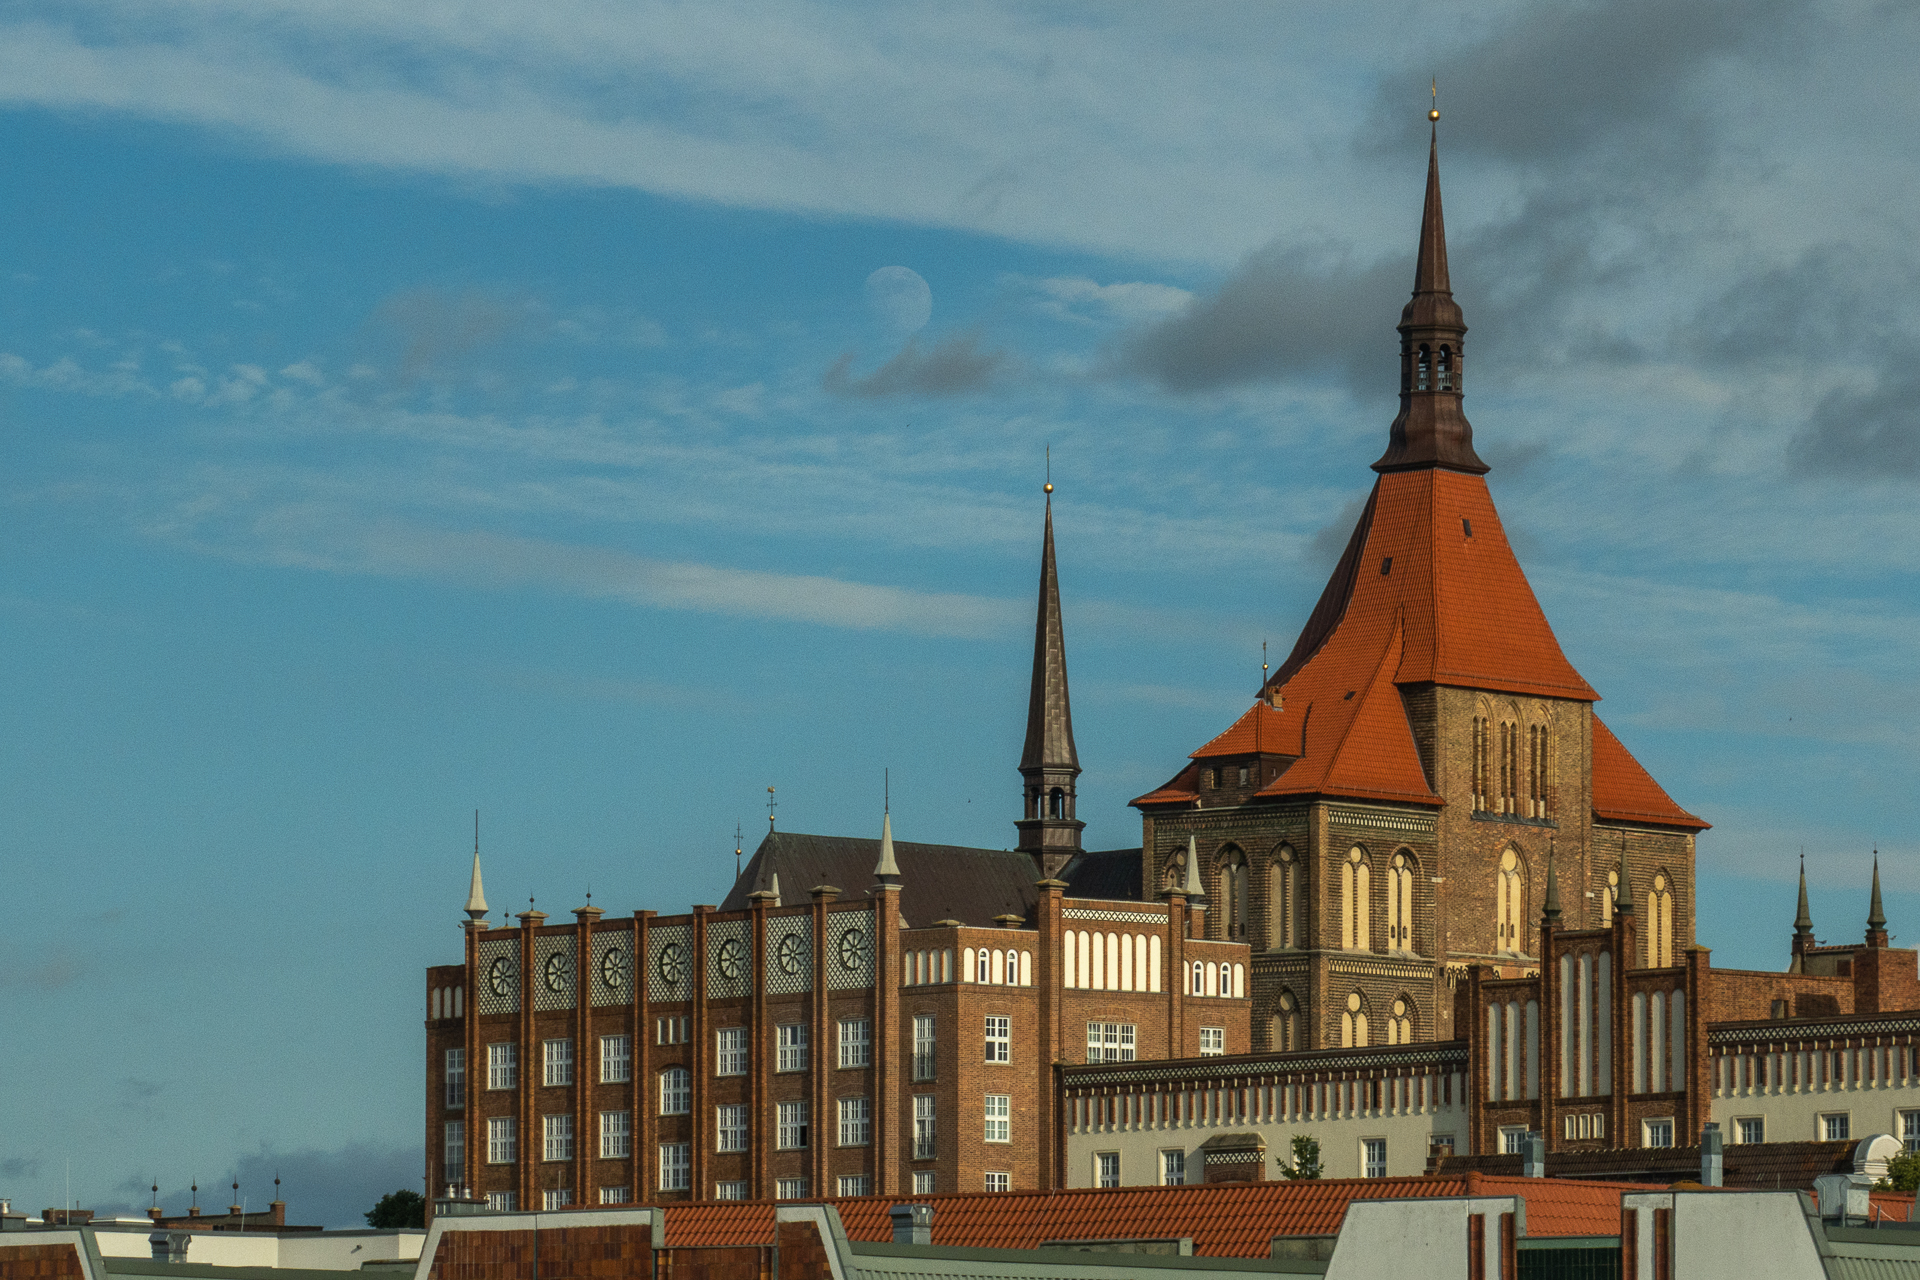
(901, 298)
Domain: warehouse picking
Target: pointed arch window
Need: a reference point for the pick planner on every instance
(1609, 899)
(1482, 764)
(1400, 902)
(1353, 1022)
(1509, 767)
(1509, 903)
(1057, 803)
(1400, 1023)
(1423, 365)
(1536, 771)
(1355, 887)
(1444, 369)
(1660, 922)
(1177, 869)
(1286, 1023)
(1233, 889)
(1282, 904)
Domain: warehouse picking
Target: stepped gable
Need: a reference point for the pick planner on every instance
(1623, 791)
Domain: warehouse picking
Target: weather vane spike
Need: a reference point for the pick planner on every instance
(1434, 113)
(886, 791)
(771, 806)
(1049, 468)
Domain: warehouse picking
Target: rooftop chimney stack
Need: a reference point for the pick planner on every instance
(912, 1223)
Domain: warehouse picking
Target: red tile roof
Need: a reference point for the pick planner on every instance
(1182, 788)
(1258, 732)
(1625, 792)
(1230, 1220)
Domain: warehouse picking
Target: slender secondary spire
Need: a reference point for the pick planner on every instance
(1550, 914)
(476, 895)
(1432, 430)
(1876, 914)
(1048, 762)
(1803, 918)
(1190, 886)
(886, 871)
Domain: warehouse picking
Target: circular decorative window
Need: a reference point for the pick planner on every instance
(732, 958)
(671, 963)
(613, 968)
(853, 949)
(791, 954)
(500, 976)
(557, 973)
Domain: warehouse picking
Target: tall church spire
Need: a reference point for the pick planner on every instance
(1431, 430)
(1802, 925)
(1876, 914)
(1049, 764)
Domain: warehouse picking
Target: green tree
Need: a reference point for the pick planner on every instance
(1306, 1159)
(1903, 1172)
(399, 1209)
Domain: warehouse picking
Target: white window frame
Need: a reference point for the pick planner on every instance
(997, 1181)
(1373, 1157)
(730, 1126)
(556, 1063)
(729, 1191)
(1513, 1139)
(502, 1141)
(500, 1201)
(1173, 1167)
(1656, 1127)
(676, 1091)
(1213, 1041)
(926, 1126)
(1829, 1120)
(1740, 1124)
(456, 1079)
(791, 1123)
(790, 1046)
(1110, 1041)
(855, 1184)
(730, 1051)
(999, 1037)
(790, 1188)
(616, 1059)
(856, 1042)
(1910, 1129)
(923, 1182)
(556, 1137)
(856, 1122)
(503, 1064)
(555, 1198)
(676, 1166)
(925, 1046)
(616, 1135)
(1106, 1168)
(616, 1195)
(454, 1150)
(998, 1111)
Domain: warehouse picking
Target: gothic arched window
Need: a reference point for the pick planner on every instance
(1660, 923)
(1355, 934)
(1609, 898)
(1400, 902)
(1509, 903)
(1233, 888)
(1057, 803)
(1353, 1022)
(1281, 902)
(1286, 1023)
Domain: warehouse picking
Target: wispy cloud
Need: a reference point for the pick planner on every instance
(953, 366)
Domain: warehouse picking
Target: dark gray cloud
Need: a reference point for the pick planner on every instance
(953, 366)
(1875, 432)
(328, 1188)
(20, 1166)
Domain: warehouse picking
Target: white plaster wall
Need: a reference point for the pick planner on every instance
(1424, 1238)
(318, 1251)
(1794, 1116)
(1737, 1236)
(346, 1251)
(1408, 1136)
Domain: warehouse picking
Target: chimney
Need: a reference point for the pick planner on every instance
(1533, 1159)
(1711, 1168)
(912, 1223)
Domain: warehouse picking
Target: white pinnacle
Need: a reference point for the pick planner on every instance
(886, 866)
(476, 896)
(1191, 888)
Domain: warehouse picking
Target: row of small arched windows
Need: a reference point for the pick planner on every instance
(1357, 1025)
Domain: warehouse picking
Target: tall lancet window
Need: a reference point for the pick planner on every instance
(1353, 1022)
(1233, 888)
(1482, 764)
(1282, 904)
(1609, 899)
(1400, 902)
(1509, 767)
(1285, 1028)
(1355, 888)
(1660, 923)
(1509, 903)
(1537, 771)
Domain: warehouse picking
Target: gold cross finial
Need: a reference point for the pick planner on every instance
(1434, 114)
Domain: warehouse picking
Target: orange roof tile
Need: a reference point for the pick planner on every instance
(719, 1223)
(1625, 792)
(1183, 787)
(1258, 732)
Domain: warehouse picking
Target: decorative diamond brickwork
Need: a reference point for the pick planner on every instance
(849, 949)
(729, 960)
(611, 981)
(499, 975)
(789, 955)
(553, 976)
(670, 963)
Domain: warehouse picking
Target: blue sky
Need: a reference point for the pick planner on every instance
(405, 410)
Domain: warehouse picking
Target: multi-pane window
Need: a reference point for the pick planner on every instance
(616, 1135)
(923, 1126)
(923, 1060)
(790, 1188)
(730, 1051)
(791, 1131)
(456, 1150)
(615, 1195)
(616, 1059)
(500, 1201)
(1659, 1133)
(1753, 1129)
(1513, 1140)
(999, 1181)
(676, 1091)
(729, 1191)
(1834, 1128)
(456, 1078)
(790, 1043)
(999, 1038)
(1373, 1157)
(1909, 1130)
(556, 1137)
(502, 1065)
(676, 1166)
(730, 1122)
(999, 1117)
(675, 1030)
(923, 1182)
(500, 1140)
(856, 1122)
(1106, 1169)
(1173, 1168)
(556, 1062)
(1109, 1042)
(556, 1198)
(856, 1042)
(1213, 1041)
(855, 1184)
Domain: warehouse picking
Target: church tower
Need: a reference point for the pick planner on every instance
(1380, 820)
(1048, 763)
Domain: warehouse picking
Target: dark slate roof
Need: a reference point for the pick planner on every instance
(937, 881)
(1759, 1166)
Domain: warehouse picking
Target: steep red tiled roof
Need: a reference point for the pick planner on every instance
(1257, 732)
(716, 1223)
(1625, 792)
(1183, 787)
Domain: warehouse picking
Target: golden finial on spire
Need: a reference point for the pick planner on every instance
(1049, 469)
(1434, 114)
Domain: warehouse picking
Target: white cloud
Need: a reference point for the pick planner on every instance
(1133, 302)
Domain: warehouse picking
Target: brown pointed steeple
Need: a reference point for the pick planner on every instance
(1432, 430)
(1876, 914)
(1802, 925)
(1049, 764)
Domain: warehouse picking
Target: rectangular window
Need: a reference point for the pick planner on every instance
(790, 1188)
(730, 1051)
(501, 1065)
(500, 1201)
(675, 1030)
(456, 1078)
(556, 1198)
(1109, 1042)
(1754, 1129)
(676, 1166)
(923, 1182)
(729, 1191)
(730, 1123)
(999, 1181)
(923, 1062)
(1440, 1144)
(556, 1137)
(1659, 1133)
(615, 1195)
(1173, 1168)
(856, 1184)
(1909, 1130)
(1213, 1041)
(791, 1132)
(456, 1151)
(500, 1140)
(790, 1038)
(856, 1122)
(923, 1126)
(856, 1043)
(999, 1117)
(556, 1062)
(999, 1039)
(616, 1059)
(1106, 1169)
(1513, 1140)
(1373, 1157)
(1837, 1127)
(676, 1091)
(616, 1135)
